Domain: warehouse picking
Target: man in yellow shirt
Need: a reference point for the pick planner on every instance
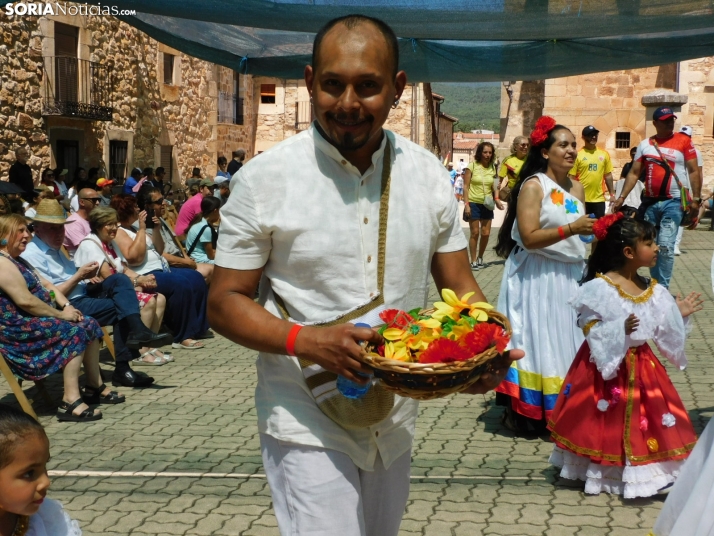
(592, 167)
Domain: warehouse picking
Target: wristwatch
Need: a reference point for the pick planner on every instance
(699, 200)
(65, 305)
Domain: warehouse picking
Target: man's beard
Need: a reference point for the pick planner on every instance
(348, 141)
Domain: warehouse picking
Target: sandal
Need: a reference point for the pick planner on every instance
(64, 412)
(195, 345)
(156, 362)
(93, 396)
(168, 358)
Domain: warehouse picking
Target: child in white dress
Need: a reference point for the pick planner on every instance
(619, 423)
(24, 453)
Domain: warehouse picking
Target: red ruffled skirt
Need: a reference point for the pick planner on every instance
(634, 419)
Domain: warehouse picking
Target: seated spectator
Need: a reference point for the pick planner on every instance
(185, 290)
(43, 333)
(192, 208)
(60, 180)
(223, 168)
(83, 179)
(77, 228)
(150, 199)
(202, 237)
(5, 207)
(100, 249)
(131, 181)
(104, 187)
(223, 190)
(40, 193)
(112, 301)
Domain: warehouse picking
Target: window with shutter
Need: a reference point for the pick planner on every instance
(166, 152)
(168, 68)
(117, 159)
(66, 78)
(267, 93)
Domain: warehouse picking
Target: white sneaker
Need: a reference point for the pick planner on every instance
(677, 251)
(479, 263)
(474, 266)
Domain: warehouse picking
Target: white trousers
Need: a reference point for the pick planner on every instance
(321, 492)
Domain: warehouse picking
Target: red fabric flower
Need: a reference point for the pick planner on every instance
(394, 318)
(444, 351)
(483, 337)
(542, 128)
(601, 226)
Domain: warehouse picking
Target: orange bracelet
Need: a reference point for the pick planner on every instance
(290, 343)
(561, 232)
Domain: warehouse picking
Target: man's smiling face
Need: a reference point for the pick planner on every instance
(353, 85)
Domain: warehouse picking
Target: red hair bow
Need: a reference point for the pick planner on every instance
(542, 128)
(601, 226)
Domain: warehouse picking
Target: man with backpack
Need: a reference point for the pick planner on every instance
(672, 186)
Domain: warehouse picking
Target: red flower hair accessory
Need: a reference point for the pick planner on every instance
(542, 128)
(601, 226)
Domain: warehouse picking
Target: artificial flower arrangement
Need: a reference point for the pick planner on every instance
(454, 330)
(433, 353)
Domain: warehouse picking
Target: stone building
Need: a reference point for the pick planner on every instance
(620, 104)
(91, 91)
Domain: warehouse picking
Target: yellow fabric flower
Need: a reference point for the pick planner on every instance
(397, 351)
(398, 334)
(478, 311)
(451, 306)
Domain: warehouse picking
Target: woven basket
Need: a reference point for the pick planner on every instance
(426, 381)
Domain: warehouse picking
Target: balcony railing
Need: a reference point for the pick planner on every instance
(76, 88)
(303, 115)
(230, 108)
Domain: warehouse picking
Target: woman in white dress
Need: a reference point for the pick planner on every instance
(545, 261)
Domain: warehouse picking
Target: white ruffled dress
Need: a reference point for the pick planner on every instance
(52, 520)
(535, 290)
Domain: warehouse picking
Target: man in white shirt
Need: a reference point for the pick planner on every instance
(316, 240)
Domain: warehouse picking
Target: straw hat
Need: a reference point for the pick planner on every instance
(50, 211)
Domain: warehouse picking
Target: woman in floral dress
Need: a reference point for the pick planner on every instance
(40, 331)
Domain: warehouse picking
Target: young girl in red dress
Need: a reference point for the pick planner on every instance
(618, 423)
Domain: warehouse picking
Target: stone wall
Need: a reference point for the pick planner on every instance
(519, 112)
(182, 114)
(611, 101)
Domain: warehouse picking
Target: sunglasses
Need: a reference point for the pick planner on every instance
(159, 201)
(94, 200)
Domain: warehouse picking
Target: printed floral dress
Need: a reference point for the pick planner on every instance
(36, 347)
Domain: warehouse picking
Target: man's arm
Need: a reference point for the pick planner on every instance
(610, 186)
(630, 181)
(695, 179)
(233, 313)
(82, 273)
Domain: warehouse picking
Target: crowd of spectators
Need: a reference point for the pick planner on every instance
(80, 252)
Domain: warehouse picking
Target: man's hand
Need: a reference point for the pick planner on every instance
(494, 376)
(336, 348)
(617, 204)
(88, 270)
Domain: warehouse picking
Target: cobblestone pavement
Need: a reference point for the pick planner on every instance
(186, 461)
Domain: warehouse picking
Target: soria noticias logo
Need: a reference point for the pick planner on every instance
(62, 8)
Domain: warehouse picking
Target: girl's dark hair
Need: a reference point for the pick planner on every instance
(14, 426)
(608, 254)
(535, 163)
(209, 204)
(479, 152)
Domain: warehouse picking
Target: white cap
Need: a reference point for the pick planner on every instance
(220, 180)
(687, 130)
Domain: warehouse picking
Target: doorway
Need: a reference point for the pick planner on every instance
(67, 157)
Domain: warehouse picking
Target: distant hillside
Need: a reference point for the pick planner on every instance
(477, 105)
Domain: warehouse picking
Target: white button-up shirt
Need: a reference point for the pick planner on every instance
(311, 219)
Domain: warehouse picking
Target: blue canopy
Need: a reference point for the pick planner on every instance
(440, 40)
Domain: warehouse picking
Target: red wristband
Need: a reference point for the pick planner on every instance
(561, 232)
(292, 335)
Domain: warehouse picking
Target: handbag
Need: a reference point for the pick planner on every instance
(488, 200)
(377, 403)
(685, 197)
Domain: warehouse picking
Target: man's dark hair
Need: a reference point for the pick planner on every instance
(351, 22)
(148, 171)
(222, 160)
(159, 169)
(196, 172)
(143, 196)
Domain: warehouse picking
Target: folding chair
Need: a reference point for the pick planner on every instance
(16, 388)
